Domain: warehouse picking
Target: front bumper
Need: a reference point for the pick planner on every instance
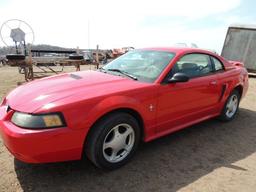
(40, 146)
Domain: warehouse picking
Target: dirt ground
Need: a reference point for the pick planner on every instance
(210, 156)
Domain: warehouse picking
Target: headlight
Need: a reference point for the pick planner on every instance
(38, 121)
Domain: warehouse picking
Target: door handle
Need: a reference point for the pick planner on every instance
(213, 82)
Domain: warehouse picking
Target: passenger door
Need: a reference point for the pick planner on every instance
(184, 102)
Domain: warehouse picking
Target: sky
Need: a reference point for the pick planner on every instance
(136, 23)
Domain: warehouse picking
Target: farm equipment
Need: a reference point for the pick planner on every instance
(21, 34)
(118, 52)
(34, 63)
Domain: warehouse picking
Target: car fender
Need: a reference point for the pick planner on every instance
(115, 102)
(110, 104)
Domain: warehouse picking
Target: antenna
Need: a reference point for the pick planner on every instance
(89, 34)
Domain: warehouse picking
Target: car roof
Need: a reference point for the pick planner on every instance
(179, 50)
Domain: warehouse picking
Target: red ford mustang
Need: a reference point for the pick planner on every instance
(104, 114)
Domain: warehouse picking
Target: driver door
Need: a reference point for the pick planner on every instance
(182, 103)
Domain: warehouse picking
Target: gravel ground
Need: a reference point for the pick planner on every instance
(210, 156)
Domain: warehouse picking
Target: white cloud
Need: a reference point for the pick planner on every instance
(113, 23)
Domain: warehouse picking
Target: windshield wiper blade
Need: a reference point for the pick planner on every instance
(102, 69)
(124, 73)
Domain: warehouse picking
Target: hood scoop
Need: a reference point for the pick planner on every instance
(77, 77)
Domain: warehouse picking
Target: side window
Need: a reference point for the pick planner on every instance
(193, 65)
(217, 64)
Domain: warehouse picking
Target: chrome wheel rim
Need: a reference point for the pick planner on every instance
(232, 106)
(118, 143)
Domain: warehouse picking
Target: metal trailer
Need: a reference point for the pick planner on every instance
(240, 45)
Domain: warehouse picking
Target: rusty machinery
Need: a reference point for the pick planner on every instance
(118, 52)
(19, 37)
(21, 34)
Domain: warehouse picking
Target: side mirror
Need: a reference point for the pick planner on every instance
(178, 77)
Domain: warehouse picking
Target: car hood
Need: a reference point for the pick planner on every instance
(34, 95)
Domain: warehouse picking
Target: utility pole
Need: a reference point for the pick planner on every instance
(97, 57)
(88, 34)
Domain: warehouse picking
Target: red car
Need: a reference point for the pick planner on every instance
(104, 114)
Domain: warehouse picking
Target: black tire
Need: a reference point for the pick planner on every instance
(76, 57)
(101, 131)
(224, 117)
(15, 57)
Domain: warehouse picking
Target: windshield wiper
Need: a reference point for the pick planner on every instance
(124, 73)
(102, 69)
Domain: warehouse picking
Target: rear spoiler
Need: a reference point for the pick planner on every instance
(236, 63)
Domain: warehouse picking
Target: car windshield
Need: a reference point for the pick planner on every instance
(142, 65)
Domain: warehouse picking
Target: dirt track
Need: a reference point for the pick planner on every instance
(210, 156)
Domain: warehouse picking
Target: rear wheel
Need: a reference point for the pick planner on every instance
(231, 106)
(113, 141)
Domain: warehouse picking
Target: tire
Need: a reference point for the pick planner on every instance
(108, 139)
(15, 57)
(76, 57)
(232, 102)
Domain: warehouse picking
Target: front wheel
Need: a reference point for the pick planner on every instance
(231, 106)
(113, 141)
